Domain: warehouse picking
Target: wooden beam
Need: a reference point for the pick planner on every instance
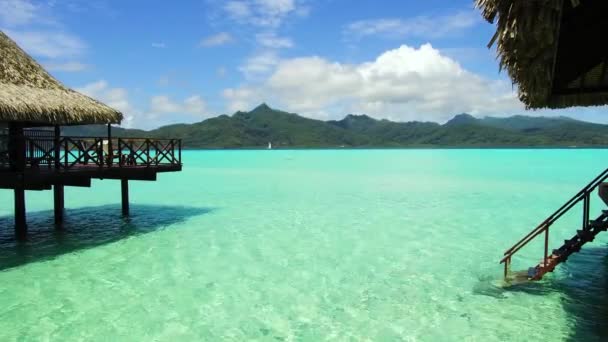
(34, 187)
(80, 182)
(600, 89)
(58, 195)
(579, 47)
(143, 174)
(124, 187)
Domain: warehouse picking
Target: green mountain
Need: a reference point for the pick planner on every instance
(256, 128)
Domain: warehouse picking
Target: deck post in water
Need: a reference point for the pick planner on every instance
(66, 161)
(20, 220)
(58, 189)
(17, 160)
(58, 196)
(124, 189)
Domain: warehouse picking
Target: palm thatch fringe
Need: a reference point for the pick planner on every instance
(28, 93)
(526, 37)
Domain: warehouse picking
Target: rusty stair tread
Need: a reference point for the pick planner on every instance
(569, 247)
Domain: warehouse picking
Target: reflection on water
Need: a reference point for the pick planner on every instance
(583, 285)
(344, 245)
(585, 288)
(84, 228)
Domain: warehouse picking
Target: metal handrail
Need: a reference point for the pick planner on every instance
(582, 195)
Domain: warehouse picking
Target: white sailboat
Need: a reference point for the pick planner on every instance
(269, 145)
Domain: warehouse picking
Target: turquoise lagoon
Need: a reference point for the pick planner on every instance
(345, 245)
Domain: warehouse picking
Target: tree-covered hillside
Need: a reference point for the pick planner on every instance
(255, 129)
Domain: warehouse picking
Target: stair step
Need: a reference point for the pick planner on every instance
(570, 246)
(532, 272)
(599, 225)
(571, 241)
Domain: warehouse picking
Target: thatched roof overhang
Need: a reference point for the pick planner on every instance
(554, 50)
(31, 96)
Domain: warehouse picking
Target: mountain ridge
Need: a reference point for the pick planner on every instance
(263, 124)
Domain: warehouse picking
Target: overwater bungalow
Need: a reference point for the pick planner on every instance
(554, 51)
(35, 156)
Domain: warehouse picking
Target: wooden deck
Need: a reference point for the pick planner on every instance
(80, 175)
(74, 161)
(45, 160)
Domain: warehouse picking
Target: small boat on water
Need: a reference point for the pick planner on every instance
(269, 145)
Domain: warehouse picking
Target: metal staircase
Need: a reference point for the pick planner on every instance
(587, 233)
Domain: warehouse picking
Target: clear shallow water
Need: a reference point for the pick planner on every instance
(309, 245)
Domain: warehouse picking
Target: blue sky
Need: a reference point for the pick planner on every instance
(162, 63)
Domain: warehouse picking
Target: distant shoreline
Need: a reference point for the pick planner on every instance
(262, 126)
(396, 148)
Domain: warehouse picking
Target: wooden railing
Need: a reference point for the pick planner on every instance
(118, 152)
(584, 195)
(39, 147)
(43, 149)
(4, 160)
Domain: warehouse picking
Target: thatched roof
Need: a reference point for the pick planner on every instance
(28, 94)
(554, 50)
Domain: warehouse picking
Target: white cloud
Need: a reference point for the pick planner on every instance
(48, 44)
(159, 45)
(163, 104)
(163, 81)
(193, 105)
(402, 84)
(66, 67)
(265, 17)
(262, 13)
(17, 12)
(243, 98)
(272, 41)
(303, 11)
(33, 26)
(117, 98)
(93, 89)
(421, 26)
(221, 38)
(221, 72)
(259, 64)
(238, 9)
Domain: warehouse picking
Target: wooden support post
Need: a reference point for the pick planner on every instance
(180, 150)
(110, 148)
(124, 187)
(58, 194)
(20, 219)
(546, 247)
(17, 158)
(57, 145)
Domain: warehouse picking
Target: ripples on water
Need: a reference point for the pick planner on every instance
(309, 245)
(84, 228)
